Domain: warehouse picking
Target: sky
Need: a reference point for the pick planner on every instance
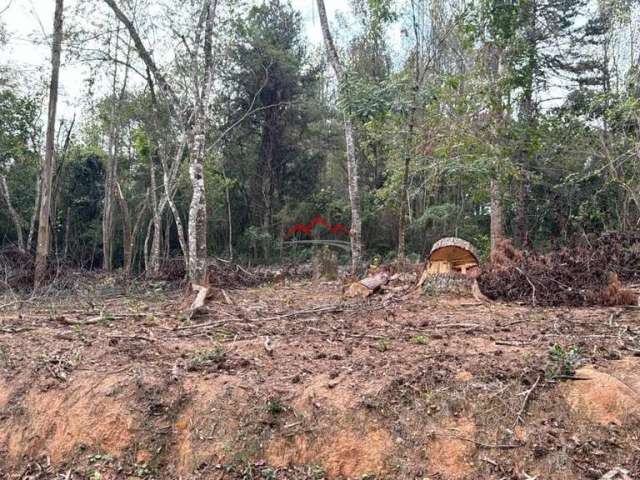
(29, 24)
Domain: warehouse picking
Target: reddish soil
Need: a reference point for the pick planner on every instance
(293, 382)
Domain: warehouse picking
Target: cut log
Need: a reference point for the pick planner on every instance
(198, 302)
(367, 286)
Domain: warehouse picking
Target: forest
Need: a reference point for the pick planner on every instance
(319, 239)
(210, 130)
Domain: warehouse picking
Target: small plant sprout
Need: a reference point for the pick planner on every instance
(563, 361)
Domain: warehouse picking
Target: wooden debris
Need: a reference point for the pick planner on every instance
(367, 286)
(616, 474)
(477, 294)
(199, 301)
(268, 346)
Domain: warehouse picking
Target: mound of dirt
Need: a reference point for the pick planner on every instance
(342, 453)
(606, 398)
(448, 454)
(55, 423)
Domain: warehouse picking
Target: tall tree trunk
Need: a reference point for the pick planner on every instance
(404, 206)
(229, 220)
(107, 214)
(42, 251)
(497, 220)
(15, 216)
(404, 194)
(197, 209)
(352, 163)
(354, 196)
(111, 178)
(154, 257)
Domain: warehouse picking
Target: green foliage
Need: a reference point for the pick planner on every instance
(275, 406)
(208, 357)
(563, 362)
(479, 107)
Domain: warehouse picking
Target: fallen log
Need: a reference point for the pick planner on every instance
(367, 286)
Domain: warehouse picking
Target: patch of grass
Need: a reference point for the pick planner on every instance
(316, 472)
(275, 406)
(421, 340)
(99, 457)
(143, 471)
(204, 358)
(563, 362)
(384, 345)
(5, 358)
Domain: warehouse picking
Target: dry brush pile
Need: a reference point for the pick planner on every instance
(590, 272)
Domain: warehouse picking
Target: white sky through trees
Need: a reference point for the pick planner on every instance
(29, 24)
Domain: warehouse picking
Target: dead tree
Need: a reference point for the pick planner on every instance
(46, 175)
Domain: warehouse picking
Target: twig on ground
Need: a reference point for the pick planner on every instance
(133, 337)
(458, 325)
(533, 287)
(527, 396)
(480, 444)
(98, 319)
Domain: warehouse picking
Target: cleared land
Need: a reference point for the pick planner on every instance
(290, 381)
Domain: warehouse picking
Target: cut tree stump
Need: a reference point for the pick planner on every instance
(451, 255)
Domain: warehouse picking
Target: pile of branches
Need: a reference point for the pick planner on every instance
(222, 274)
(589, 272)
(16, 269)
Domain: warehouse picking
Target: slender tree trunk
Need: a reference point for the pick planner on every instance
(127, 244)
(67, 232)
(34, 216)
(404, 206)
(15, 216)
(154, 258)
(229, 217)
(129, 231)
(352, 163)
(111, 177)
(354, 196)
(497, 221)
(404, 194)
(169, 178)
(42, 251)
(107, 214)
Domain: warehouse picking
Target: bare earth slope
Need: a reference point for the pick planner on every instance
(278, 382)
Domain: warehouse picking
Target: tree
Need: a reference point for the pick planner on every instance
(193, 118)
(271, 84)
(349, 133)
(47, 170)
(18, 160)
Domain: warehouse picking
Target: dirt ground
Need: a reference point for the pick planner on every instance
(291, 381)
